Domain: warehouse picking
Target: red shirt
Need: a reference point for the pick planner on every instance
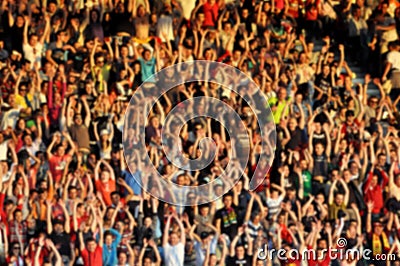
(375, 193)
(57, 165)
(105, 190)
(93, 258)
(325, 262)
(312, 10)
(210, 14)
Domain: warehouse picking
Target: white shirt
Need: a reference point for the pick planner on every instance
(33, 54)
(3, 150)
(187, 7)
(10, 118)
(174, 255)
(393, 57)
(164, 26)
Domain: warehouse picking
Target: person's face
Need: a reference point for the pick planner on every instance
(16, 250)
(33, 40)
(319, 149)
(80, 210)
(240, 252)
(339, 199)
(61, 151)
(147, 55)
(18, 216)
(124, 51)
(147, 262)
(58, 228)
(31, 223)
(354, 168)
(320, 198)
(57, 98)
(115, 199)
(28, 140)
(292, 124)
(173, 239)
(378, 228)
(326, 70)
(100, 61)
(303, 58)
(108, 240)
(22, 91)
(282, 94)
(227, 27)
(155, 122)
(78, 120)
(105, 176)
(347, 176)
(20, 21)
(228, 201)
(382, 160)
(122, 258)
(72, 193)
(91, 246)
(147, 222)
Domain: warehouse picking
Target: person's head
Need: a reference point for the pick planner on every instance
(105, 176)
(60, 150)
(346, 175)
(94, 16)
(122, 258)
(108, 238)
(326, 70)
(292, 123)
(173, 239)
(18, 215)
(319, 149)
(339, 198)
(58, 226)
(141, 11)
(381, 159)
(33, 40)
(378, 228)
(302, 58)
(80, 209)
(274, 193)
(15, 249)
(91, 244)
(240, 251)
(146, 54)
(78, 119)
(115, 197)
(282, 93)
(27, 140)
(322, 243)
(227, 200)
(72, 192)
(100, 60)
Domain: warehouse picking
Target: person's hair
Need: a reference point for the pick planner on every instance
(71, 187)
(90, 239)
(16, 211)
(114, 193)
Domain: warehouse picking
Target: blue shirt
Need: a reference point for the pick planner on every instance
(110, 252)
(131, 180)
(148, 67)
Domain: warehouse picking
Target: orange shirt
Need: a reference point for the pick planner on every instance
(106, 189)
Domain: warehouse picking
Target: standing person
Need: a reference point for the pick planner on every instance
(92, 251)
(174, 247)
(226, 219)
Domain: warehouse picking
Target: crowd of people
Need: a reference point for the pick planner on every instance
(69, 69)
